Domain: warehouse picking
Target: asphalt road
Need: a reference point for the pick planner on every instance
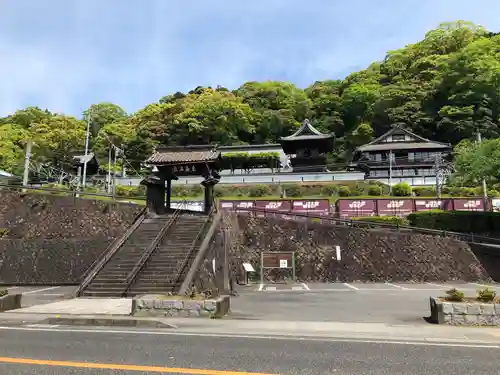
(67, 353)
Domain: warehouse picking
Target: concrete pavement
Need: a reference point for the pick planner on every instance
(78, 352)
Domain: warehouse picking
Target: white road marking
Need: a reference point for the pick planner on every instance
(271, 288)
(298, 288)
(397, 286)
(12, 288)
(41, 290)
(351, 286)
(261, 286)
(305, 286)
(446, 342)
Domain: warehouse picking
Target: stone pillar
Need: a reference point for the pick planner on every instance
(155, 194)
(208, 184)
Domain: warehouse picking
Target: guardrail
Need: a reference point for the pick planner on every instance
(147, 254)
(466, 237)
(100, 262)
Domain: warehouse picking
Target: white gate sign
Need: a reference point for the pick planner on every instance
(283, 263)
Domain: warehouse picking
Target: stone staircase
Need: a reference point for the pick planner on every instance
(163, 271)
(110, 281)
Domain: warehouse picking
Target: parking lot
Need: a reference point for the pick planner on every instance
(393, 303)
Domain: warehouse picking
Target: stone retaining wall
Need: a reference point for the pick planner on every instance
(367, 255)
(31, 262)
(464, 313)
(157, 305)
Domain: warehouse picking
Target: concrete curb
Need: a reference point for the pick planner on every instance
(107, 322)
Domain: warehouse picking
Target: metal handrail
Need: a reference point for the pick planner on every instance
(147, 254)
(100, 262)
(366, 223)
(202, 230)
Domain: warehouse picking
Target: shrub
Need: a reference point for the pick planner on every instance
(395, 220)
(374, 190)
(4, 232)
(3, 292)
(344, 191)
(457, 221)
(329, 190)
(486, 295)
(259, 191)
(401, 190)
(424, 191)
(454, 295)
(292, 190)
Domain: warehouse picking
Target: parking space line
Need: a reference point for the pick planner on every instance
(261, 286)
(439, 286)
(271, 288)
(397, 286)
(305, 286)
(41, 290)
(351, 286)
(483, 285)
(12, 288)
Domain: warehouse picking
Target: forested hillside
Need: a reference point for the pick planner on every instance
(445, 87)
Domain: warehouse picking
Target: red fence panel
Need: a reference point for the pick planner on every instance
(349, 208)
(313, 206)
(272, 206)
(226, 205)
(433, 204)
(472, 204)
(394, 207)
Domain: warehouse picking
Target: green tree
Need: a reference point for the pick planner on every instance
(280, 107)
(103, 114)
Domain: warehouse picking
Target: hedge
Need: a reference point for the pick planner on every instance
(395, 220)
(457, 221)
(245, 160)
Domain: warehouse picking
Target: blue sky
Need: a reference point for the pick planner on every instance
(67, 54)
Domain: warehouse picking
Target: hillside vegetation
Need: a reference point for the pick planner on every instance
(444, 87)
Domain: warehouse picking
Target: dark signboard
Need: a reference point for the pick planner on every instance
(277, 260)
(349, 208)
(471, 204)
(319, 207)
(433, 204)
(394, 207)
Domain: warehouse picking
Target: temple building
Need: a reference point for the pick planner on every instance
(307, 148)
(401, 156)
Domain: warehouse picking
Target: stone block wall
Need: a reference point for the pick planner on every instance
(49, 217)
(153, 305)
(367, 255)
(57, 262)
(469, 313)
(48, 239)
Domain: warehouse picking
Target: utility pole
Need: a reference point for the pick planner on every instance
(114, 170)
(437, 169)
(109, 167)
(87, 136)
(390, 172)
(485, 188)
(27, 158)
